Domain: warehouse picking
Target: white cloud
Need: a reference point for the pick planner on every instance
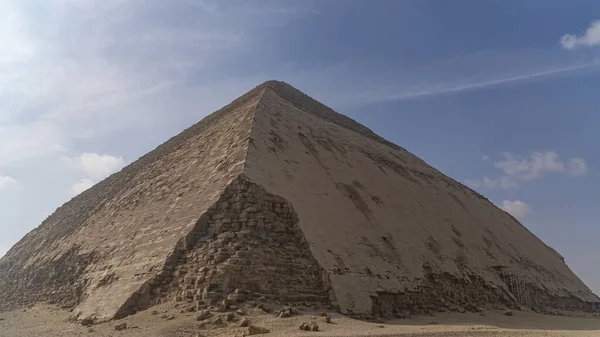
(568, 41)
(516, 208)
(7, 182)
(81, 186)
(577, 167)
(518, 170)
(590, 38)
(525, 169)
(96, 166)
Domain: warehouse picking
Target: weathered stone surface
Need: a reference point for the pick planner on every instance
(257, 330)
(121, 326)
(280, 196)
(87, 322)
(202, 315)
(237, 297)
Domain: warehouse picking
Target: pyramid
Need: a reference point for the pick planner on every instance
(278, 196)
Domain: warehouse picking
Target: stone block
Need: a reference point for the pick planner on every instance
(211, 302)
(210, 295)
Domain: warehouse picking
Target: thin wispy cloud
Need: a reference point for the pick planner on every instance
(452, 88)
(517, 170)
(456, 75)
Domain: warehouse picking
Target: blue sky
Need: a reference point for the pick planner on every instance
(500, 95)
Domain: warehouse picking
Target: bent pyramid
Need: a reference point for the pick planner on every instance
(281, 196)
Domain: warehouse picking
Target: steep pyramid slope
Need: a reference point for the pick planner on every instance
(391, 232)
(282, 197)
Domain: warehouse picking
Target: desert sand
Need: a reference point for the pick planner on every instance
(52, 322)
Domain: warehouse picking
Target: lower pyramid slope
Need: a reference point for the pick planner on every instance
(283, 198)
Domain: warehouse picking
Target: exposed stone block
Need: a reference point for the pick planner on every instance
(247, 258)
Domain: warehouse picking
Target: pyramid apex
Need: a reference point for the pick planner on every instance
(308, 104)
(277, 85)
(271, 82)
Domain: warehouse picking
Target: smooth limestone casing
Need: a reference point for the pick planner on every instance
(388, 231)
(381, 221)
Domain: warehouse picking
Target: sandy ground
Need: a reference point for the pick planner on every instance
(52, 322)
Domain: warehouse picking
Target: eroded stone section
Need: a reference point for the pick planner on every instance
(438, 293)
(250, 240)
(446, 292)
(57, 283)
(528, 294)
(548, 304)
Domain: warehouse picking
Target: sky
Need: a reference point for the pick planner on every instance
(498, 94)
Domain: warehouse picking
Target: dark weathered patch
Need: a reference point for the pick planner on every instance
(458, 242)
(354, 195)
(399, 168)
(461, 260)
(358, 184)
(377, 200)
(433, 246)
(312, 150)
(279, 143)
(457, 200)
(456, 231)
